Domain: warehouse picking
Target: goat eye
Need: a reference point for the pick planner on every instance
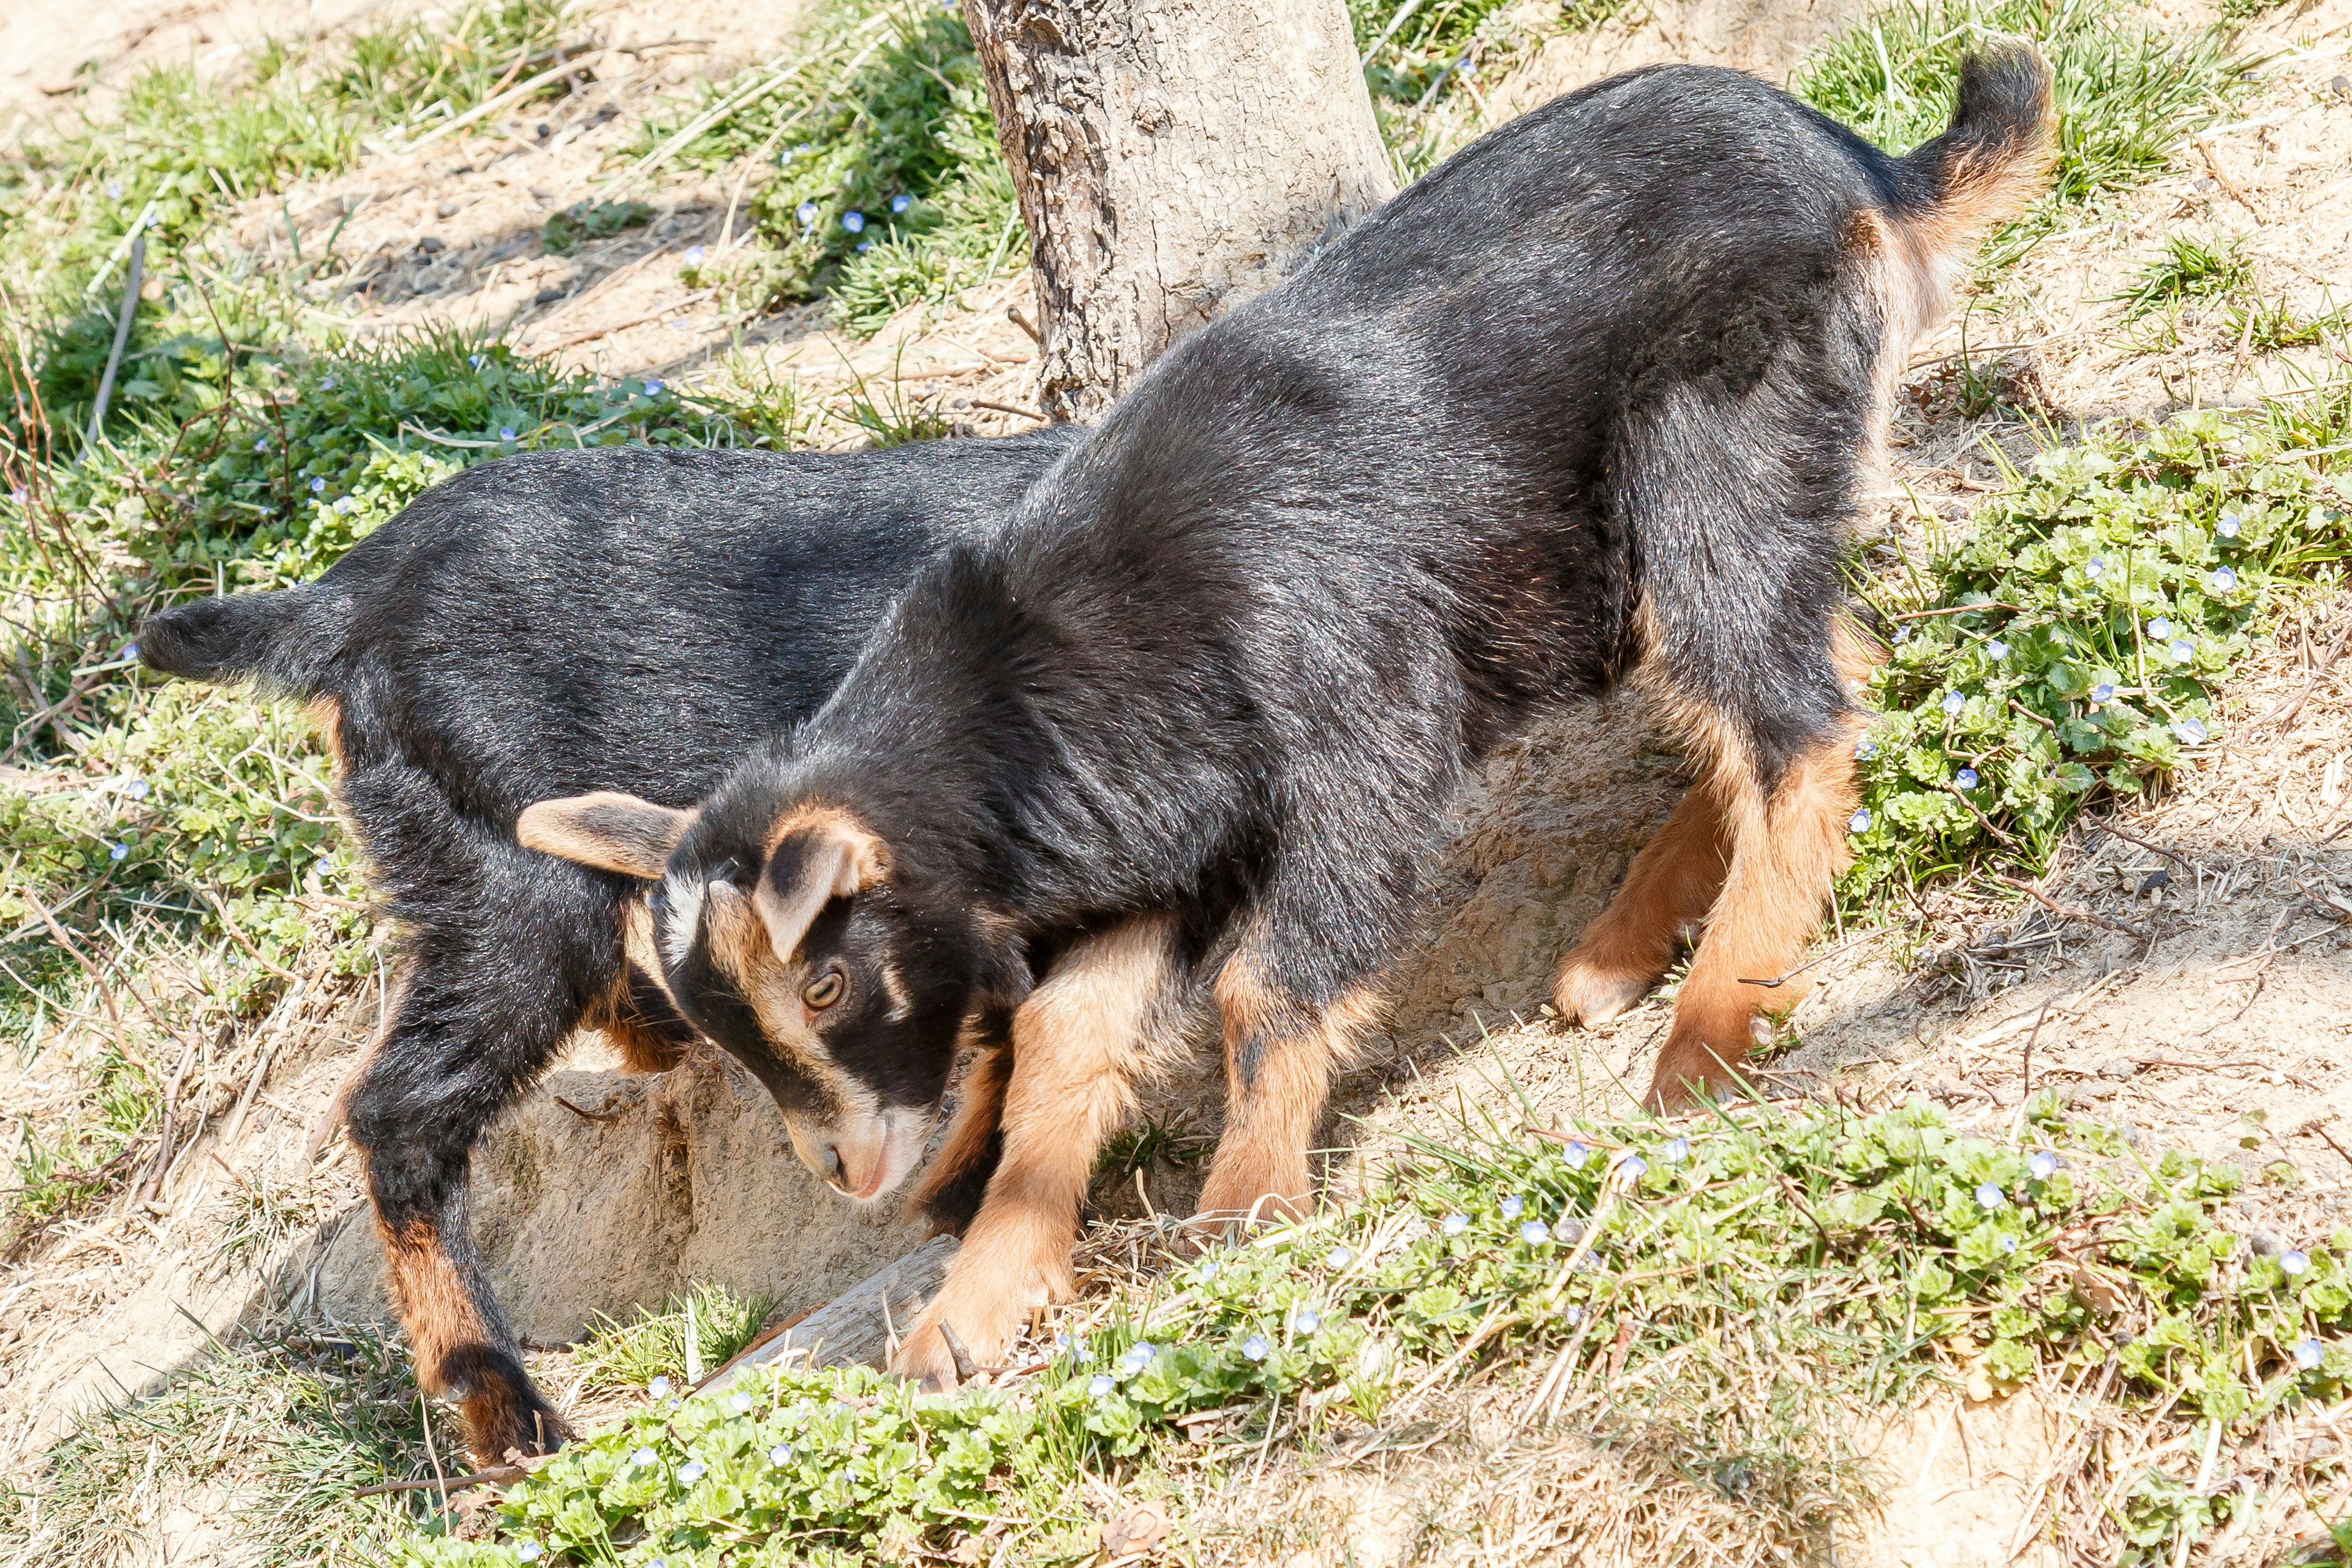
(824, 991)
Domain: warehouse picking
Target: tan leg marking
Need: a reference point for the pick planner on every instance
(978, 1115)
(445, 1320)
(1787, 851)
(1274, 1103)
(1077, 1054)
(1673, 883)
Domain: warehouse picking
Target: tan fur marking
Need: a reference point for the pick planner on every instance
(1670, 887)
(327, 714)
(1261, 1166)
(643, 1047)
(976, 1116)
(871, 858)
(1787, 853)
(1077, 1052)
(607, 829)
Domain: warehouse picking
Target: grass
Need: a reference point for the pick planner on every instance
(2128, 93)
(562, 234)
(2189, 268)
(686, 1338)
(882, 185)
(2102, 599)
(1620, 1276)
(270, 1440)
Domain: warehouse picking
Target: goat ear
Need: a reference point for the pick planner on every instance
(813, 858)
(610, 831)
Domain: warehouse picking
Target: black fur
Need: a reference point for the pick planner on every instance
(621, 618)
(1593, 392)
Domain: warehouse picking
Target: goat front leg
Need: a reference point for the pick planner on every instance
(1279, 1057)
(1076, 1053)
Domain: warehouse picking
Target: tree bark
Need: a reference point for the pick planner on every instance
(1172, 158)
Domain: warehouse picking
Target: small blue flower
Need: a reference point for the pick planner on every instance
(693, 255)
(2103, 692)
(781, 1455)
(1966, 778)
(477, 361)
(2292, 1262)
(506, 432)
(1138, 1357)
(1340, 1257)
(901, 201)
(1674, 1149)
(317, 487)
(1859, 822)
(118, 851)
(680, 325)
(2094, 566)
(130, 650)
(114, 190)
(739, 1402)
(1455, 1224)
(1534, 1233)
(1576, 1154)
(137, 789)
(806, 213)
(1997, 648)
(1306, 1320)
(529, 1551)
(689, 1472)
(653, 387)
(2222, 581)
(674, 1402)
(1207, 1272)
(864, 246)
(1511, 1205)
(1573, 1314)
(659, 1388)
(2191, 732)
(1634, 1165)
(1254, 1348)
(2183, 650)
(644, 1458)
(261, 444)
(2043, 1163)
(2008, 1244)
(1100, 1384)
(1991, 1196)
(326, 384)
(659, 1562)
(2160, 628)
(2308, 1354)
(1865, 748)
(346, 505)
(853, 220)
(803, 149)
(2228, 527)
(1954, 702)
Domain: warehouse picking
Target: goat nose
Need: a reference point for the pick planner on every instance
(833, 1169)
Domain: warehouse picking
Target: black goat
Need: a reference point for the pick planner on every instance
(619, 618)
(1594, 394)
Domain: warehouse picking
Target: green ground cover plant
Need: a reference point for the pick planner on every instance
(2190, 268)
(1873, 1251)
(2073, 644)
(2128, 93)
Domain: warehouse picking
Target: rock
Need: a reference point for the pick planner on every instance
(432, 244)
(2265, 1243)
(2119, 1069)
(603, 1192)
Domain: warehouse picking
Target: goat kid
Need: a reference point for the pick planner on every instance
(621, 618)
(1595, 395)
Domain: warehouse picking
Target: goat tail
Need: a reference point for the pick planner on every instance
(1992, 160)
(286, 641)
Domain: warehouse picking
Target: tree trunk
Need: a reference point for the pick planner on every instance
(1172, 157)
